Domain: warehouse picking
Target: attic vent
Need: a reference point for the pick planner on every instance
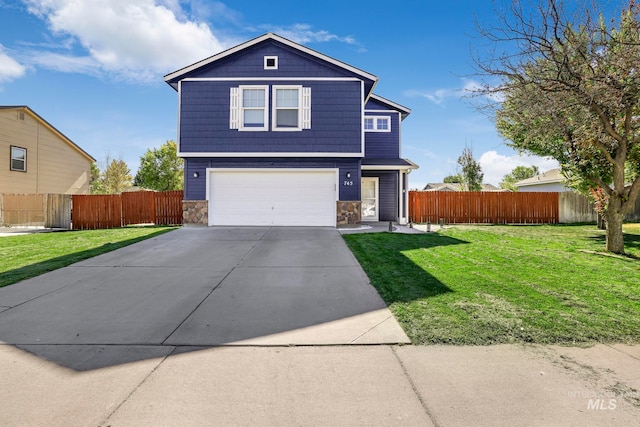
(20, 115)
(270, 62)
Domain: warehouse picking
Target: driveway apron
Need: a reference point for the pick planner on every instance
(204, 287)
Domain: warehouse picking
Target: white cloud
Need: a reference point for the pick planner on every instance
(438, 96)
(138, 40)
(304, 33)
(10, 69)
(495, 166)
(64, 63)
(472, 87)
(141, 40)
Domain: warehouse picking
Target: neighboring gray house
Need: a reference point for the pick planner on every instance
(275, 133)
(551, 181)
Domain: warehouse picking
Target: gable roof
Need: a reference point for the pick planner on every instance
(549, 177)
(404, 111)
(173, 78)
(48, 125)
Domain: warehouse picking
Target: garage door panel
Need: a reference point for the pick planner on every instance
(272, 197)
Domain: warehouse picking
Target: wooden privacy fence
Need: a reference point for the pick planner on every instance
(483, 207)
(92, 212)
(35, 210)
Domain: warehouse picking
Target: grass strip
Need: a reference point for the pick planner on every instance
(29, 255)
(480, 285)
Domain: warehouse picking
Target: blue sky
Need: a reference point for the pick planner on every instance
(94, 68)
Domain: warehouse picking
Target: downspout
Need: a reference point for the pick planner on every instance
(38, 157)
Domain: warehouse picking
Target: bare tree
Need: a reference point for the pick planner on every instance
(568, 84)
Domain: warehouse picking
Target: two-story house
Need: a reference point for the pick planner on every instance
(275, 133)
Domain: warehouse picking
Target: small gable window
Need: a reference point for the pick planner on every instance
(377, 124)
(270, 62)
(18, 159)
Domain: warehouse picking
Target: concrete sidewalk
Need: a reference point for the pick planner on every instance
(505, 385)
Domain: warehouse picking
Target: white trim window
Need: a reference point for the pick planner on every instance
(377, 124)
(248, 108)
(289, 102)
(18, 159)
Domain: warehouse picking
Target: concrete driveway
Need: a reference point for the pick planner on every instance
(131, 338)
(199, 287)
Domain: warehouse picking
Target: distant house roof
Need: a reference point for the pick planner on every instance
(448, 186)
(549, 177)
(35, 115)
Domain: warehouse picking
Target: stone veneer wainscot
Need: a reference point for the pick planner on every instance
(348, 213)
(195, 212)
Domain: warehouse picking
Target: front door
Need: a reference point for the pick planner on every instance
(370, 199)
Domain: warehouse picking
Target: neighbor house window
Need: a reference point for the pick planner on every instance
(18, 159)
(377, 124)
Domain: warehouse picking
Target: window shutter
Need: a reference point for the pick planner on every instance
(306, 108)
(234, 108)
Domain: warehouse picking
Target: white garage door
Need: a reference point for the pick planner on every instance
(272, 197)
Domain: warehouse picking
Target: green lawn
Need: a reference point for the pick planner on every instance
(505, 284)
(26, 256)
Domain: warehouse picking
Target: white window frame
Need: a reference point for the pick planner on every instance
(241, 108)
(24, 150)
(377, 120)
(266, 60)
(274, 112)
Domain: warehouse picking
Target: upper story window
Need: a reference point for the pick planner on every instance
(249, 108)
(18, 159)
(377, 123)
(270, 62)
(286, 107)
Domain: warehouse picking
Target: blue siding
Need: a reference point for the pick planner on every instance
(387, 194)
(383, 144)
(373, 104)
(250, 63)
(335, 120)
(195, 188)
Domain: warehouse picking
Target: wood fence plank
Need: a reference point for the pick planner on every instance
(92, 212)
(455, 207)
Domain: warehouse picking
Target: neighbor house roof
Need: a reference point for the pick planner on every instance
(48, 125)
(453, 186)
(548, 177)
(173, 78)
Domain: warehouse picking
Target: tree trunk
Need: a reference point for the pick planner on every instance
(615, 238)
